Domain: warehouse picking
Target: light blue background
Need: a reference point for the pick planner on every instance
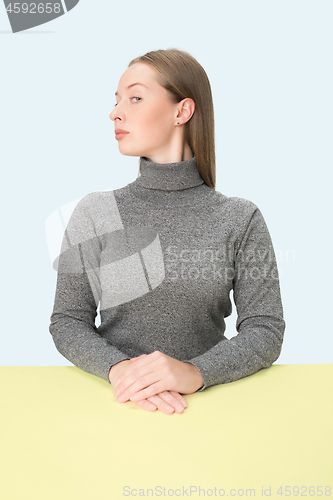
(270, 67)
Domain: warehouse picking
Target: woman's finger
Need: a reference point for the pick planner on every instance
(146, 405)
(166, 402)
(179, 397)
(174, 399)
(161, 404)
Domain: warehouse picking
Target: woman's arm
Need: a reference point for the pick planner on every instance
(77, 295)
(260, 324)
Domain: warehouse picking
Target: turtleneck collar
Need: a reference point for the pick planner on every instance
(169, 176)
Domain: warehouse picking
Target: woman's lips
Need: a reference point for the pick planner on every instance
(120, 134)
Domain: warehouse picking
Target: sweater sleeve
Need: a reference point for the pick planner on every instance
(77, 297)
(260, 324)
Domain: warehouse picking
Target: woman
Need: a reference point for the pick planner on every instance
(161, 255)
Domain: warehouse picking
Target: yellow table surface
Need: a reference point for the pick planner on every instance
(64, 435)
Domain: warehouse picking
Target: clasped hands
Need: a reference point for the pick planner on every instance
(154, 377)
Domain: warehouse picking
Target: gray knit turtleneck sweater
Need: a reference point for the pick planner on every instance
(160, 257)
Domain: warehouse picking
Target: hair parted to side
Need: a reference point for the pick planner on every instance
(182, 75)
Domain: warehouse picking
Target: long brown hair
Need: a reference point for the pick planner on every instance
(182, 75)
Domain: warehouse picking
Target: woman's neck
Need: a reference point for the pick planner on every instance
(172, 156)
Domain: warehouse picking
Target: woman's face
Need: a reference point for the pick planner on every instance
(146, 114)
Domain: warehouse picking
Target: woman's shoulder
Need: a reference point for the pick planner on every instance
(236, 205)
(94, 201)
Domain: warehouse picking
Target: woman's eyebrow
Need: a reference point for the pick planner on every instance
(132, 85)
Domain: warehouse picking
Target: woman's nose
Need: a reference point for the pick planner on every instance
(112, 115)
(115, 113)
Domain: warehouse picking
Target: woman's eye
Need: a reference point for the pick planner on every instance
(134, 97)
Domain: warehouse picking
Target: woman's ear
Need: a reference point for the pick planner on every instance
(186, 108)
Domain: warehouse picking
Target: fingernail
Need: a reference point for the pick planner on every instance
(179, 407)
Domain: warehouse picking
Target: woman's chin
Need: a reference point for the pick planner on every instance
(129, 151)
